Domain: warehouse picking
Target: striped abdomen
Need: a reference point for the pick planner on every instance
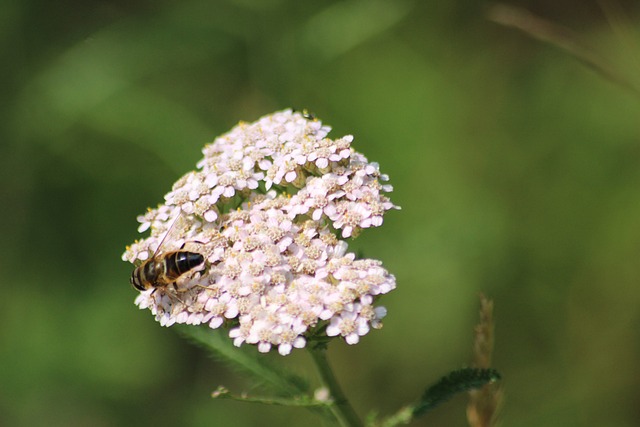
(164, 269)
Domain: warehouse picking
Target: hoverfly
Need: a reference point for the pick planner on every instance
(164, 269)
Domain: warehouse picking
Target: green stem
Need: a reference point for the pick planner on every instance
(340, 406)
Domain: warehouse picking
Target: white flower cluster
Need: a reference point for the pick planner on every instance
(264, 209)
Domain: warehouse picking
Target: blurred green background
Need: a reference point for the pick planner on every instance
(515, 165)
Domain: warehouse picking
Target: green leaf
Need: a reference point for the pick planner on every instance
(456, 382)
(301, 401)
(281, 381)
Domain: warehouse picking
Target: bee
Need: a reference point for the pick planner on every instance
(164, 269)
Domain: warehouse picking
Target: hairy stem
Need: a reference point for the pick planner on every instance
(340, 406)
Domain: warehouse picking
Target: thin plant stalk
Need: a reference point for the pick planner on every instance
(339, 406)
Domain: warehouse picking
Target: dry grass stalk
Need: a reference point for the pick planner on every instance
(484, 403)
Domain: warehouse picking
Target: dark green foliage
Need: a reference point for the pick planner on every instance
(457, 381)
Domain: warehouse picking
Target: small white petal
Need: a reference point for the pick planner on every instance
(264, 347)
(210, 216)
(352, 339)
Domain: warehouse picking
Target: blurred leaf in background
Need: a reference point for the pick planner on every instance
(515, 165)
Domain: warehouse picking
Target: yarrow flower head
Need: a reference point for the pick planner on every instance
(264, 217)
